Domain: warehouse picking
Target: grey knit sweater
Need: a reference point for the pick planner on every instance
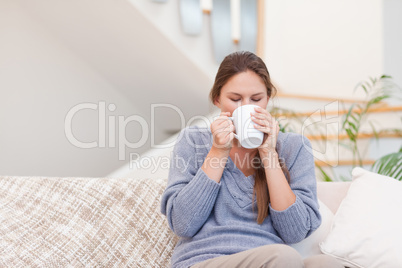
(214, 219)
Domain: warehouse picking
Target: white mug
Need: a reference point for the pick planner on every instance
(248, 136)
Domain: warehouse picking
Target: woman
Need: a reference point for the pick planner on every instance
(238, 207)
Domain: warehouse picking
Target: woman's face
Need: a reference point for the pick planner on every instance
(243, 88)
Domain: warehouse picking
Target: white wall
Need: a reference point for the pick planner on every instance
(57, 54)
(392, 16)
(323, 47)
(40, 81)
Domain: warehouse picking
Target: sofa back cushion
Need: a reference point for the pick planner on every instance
(91, 222)
(332, 193)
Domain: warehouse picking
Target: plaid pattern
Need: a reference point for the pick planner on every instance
(83, 222)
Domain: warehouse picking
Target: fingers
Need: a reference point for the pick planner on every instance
(223, 120)
(228, 129)
(263, 116)
(262, 121)
(223, 137)
(263, 129)
(265, 122)
(222, 129)
(259, 110)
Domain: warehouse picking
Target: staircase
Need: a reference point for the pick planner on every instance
(151, 64)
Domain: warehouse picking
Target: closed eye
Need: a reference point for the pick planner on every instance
(256, 100)
(234, 100)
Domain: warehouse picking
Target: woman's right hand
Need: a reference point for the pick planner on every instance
(222, 132)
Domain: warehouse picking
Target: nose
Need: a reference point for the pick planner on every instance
(245, 102)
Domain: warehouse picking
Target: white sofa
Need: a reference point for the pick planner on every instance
(96, 222)
(116, 222)
(332, 193)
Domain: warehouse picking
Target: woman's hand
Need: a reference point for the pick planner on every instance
(267, 124)
(222, 132)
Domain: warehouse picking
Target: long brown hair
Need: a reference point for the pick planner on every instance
(233, 64)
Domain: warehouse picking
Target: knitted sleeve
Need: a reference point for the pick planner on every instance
(190, 194)
(301, 218)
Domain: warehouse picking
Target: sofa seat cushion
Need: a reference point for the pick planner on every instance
(102, 222)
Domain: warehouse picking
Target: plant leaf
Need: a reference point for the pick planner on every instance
(353, 116)
(378, 99)
(365, 89)
(390, 165)
(350, 134)
(376, 134)
(347, 115)
(353, 126)
(326, 177)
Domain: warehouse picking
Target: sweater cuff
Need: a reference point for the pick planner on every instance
(291, 223)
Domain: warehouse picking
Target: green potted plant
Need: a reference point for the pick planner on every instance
(376, 90)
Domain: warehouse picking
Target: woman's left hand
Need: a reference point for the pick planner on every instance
(266, 123)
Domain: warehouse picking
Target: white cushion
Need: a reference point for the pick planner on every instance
(310, 246)
(366, 231)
